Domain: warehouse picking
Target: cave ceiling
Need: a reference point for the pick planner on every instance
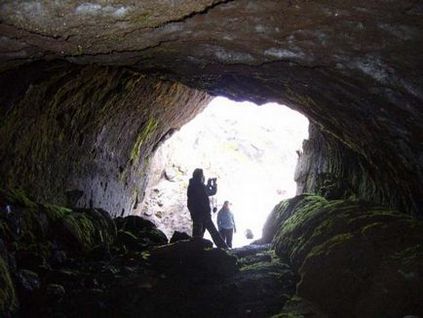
(353, 67)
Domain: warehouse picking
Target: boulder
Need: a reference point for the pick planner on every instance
(133, 227)
(194, 257)
(355, 259)
(28, 282)
(89, 227)
(179, 236)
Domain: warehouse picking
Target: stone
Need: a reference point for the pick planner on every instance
(55, 292)
(350, 254)
(179, 236)
(216, 48)
(89, 91)
(135, 228)
(249, 234)
(28, 281)
(194, 257)
(8, 301)
(30, 260)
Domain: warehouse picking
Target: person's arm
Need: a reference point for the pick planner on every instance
(233, 222)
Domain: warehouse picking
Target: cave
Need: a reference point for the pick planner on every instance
(252, 152)
(90, 90)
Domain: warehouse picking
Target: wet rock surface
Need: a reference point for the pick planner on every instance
(354, 259)
(121, 277)
(352, 67)
(90, 134)
(327, 258)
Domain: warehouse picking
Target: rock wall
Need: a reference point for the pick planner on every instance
(83, 135)
(353, 67)
(354, 258)
(331, 169)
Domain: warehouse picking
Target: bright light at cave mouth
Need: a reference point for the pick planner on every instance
(252, 150)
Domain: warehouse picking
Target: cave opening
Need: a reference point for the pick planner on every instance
(252, 151)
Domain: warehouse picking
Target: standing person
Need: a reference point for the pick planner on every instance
(199, 206)
(226, 223)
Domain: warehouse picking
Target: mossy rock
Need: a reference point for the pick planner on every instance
(134, 224)
(194, 257)
(342, 247)
(292, 216)
(281, 212)
(18, 197)
(156, 236)
(105, 227)
(55, 213)
(85, 229)
(298, 307)
(8, 298)
(126, 239)
(396, 288)
(24, 221)
(142, 229)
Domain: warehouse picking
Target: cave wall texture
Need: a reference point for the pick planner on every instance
(83, 135)
(353, 67)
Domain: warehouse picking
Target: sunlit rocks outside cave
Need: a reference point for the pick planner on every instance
(252, 150)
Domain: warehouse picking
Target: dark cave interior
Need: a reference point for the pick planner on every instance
(89, 91)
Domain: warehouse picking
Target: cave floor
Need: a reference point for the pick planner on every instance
(190, 284)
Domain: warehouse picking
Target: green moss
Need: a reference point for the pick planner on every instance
(82, 230)
(8, 299)
(147, 131)
(331, 243)
(55, 213)
(409, 255)
(370, 226)
(87, 229)
(291, 233)
(309, 205)
(19, 197)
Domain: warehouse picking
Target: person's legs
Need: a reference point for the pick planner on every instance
(203, 229)
(197, 229)
(217, 239)
(228, 235)
(222, 234)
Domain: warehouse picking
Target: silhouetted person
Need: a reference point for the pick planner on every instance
(226, 223)
(199, 206)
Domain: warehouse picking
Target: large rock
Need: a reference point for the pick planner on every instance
(138, 232)
(194, 257)
(355, 259)
(8, 297)
(85, 229)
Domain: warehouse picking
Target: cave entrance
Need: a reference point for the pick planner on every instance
(250, 149)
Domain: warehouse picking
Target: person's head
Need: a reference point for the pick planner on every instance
(198, 175)
(226, 204)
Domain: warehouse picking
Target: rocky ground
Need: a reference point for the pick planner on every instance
(62, 263)
(317, 258)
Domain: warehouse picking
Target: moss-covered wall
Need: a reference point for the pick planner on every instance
(354, 258)
(83, 135)
(328, 167)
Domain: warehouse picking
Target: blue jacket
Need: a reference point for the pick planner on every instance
(225, 219)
